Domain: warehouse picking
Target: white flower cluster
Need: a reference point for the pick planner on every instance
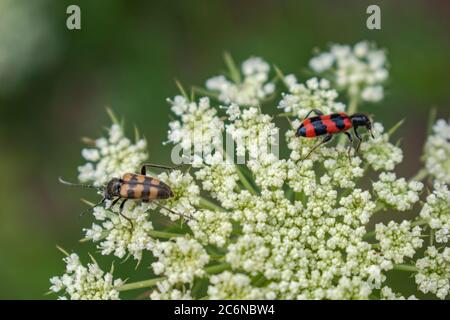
(236, 286)
(341, 171)
(186, 194)
(220, 178)
(199, 127)
(397, 193)
(379, 152)
(436, 211)
(269, 171)
(85, 283)
(112, 157)
(437, 152)
(288, 245)
(115, 233)
(211, 227)
(386, 293)
(180, 260)
(301, 176)
(254, 132)
(398, 240)
(357, 208)
(361, 70)
(254, 87)
(315, 94)
(434, 272)
(167, 291)
(293, 228)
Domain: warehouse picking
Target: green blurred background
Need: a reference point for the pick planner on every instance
(56, 83)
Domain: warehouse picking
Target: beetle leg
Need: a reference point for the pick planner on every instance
(151, 165)
(124, 216)
(114, 202)
(327, 138)
(316, 111)
(358, 137)
(173, 212)
(91, 208)
(349, 136)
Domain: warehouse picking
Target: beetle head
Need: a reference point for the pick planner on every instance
(113, 188)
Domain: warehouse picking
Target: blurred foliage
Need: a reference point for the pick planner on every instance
(127, 56)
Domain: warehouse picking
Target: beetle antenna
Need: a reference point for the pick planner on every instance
(87, 186)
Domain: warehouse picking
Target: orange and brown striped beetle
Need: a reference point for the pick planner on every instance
(135, 187)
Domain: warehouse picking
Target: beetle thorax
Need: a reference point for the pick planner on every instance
(113, 189)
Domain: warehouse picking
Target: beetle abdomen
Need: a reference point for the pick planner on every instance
(325, 124)
(141, 187)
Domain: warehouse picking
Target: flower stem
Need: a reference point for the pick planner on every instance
(235, 74)
(245, 181)
(419, 223)
(206, 204)
(152, 282)
(353, 104)
(140, 284)
(405, 267)
(163, 235)
(217, 268)
(420, 175)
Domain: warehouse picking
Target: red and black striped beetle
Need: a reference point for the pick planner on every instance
(333, 123)
(133, 187)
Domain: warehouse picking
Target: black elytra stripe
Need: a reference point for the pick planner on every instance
(130, 192)
(134, 179)
(319, 127)
(146, 192)
(313, 119)
(338, 120)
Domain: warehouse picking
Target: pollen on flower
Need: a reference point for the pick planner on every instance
(85, 282)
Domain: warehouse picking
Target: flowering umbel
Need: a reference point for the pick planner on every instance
(275, 228)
